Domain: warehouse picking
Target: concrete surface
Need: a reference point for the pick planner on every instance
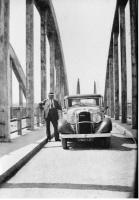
(15, 154)
(82, 171)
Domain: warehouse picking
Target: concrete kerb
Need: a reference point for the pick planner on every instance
(125, 131)
(4, 176)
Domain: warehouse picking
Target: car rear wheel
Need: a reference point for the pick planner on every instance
(64, 143)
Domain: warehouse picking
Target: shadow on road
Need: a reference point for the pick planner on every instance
(69, 186)
(117, 144)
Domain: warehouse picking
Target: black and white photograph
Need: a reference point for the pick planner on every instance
(68, 99)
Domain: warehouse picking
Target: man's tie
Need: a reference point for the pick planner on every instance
(51, 105)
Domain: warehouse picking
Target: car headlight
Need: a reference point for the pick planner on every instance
(72, 118)
(96, 117)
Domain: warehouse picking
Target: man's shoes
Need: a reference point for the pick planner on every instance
(49, 139)
(57, 140)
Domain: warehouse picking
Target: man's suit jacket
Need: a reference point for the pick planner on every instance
(51, 112)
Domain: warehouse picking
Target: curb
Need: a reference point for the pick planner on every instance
(124, 131)
(21, 162)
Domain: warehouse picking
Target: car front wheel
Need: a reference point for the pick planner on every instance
(104, 142)
(107, 142)
(64, 143)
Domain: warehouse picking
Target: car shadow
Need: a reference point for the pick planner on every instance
(67, 186)
(116, 144)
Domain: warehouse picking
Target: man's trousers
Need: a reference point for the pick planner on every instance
(55, 125)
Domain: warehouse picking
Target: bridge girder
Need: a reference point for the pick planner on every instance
(53, 30)
(17, 68)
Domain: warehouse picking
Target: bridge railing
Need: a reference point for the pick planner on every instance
(129, 112)
(19, 116)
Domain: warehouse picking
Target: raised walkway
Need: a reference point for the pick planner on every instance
(126, 129)
(15, 154)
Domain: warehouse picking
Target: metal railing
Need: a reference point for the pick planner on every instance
(18, 114)
(129, 111)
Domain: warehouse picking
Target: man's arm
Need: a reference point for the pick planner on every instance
(58, 105)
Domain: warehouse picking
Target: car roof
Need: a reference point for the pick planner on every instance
(82, 96)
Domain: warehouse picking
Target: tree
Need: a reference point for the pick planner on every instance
(78, 87)
(95, 89)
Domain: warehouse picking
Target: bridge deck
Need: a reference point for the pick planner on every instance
(15, 154)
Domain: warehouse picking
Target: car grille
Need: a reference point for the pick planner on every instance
(84, 125)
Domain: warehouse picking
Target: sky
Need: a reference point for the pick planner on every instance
(85, 29)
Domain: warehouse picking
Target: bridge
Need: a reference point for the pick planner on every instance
(123, 113)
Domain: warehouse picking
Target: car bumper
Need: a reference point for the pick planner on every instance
(96, 135)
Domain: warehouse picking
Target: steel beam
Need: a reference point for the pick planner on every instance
(4, 72)
(109, 91)
(106, 86)
(17, 68)
(30, 63)
(20, 95)
(43, 14)
(52, 62)
(62, 85)
(111, 86)
(123, 65)
(116, 74)
(134, 59)
(11, 83)
(57, 66)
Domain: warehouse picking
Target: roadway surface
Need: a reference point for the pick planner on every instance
(82, 171)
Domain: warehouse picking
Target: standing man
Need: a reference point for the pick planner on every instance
(51, 108)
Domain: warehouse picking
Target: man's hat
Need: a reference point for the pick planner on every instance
(51, 93)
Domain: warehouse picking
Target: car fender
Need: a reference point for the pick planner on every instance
(64, 127)
(106, 126)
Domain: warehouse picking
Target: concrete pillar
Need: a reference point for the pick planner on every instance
(20, 111)
(57, 66)
(106, 87)
(134, 59)
(109, 91)
(123, 65)
(61, 89)
(66, 89)
(20, 95)
(43, 55)
(30, 64)
(11, 92)
(52, 62)
(19, 122)
(57, 92)
(62, 85)
(116, 74)
(66, 92)
(111, 86)
(64, 80)
(4, 72)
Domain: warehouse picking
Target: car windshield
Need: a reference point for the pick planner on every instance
(84, 102)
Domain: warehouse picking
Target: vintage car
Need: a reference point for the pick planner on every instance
(84, 119)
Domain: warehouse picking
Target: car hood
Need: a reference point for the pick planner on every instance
(77, 110)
